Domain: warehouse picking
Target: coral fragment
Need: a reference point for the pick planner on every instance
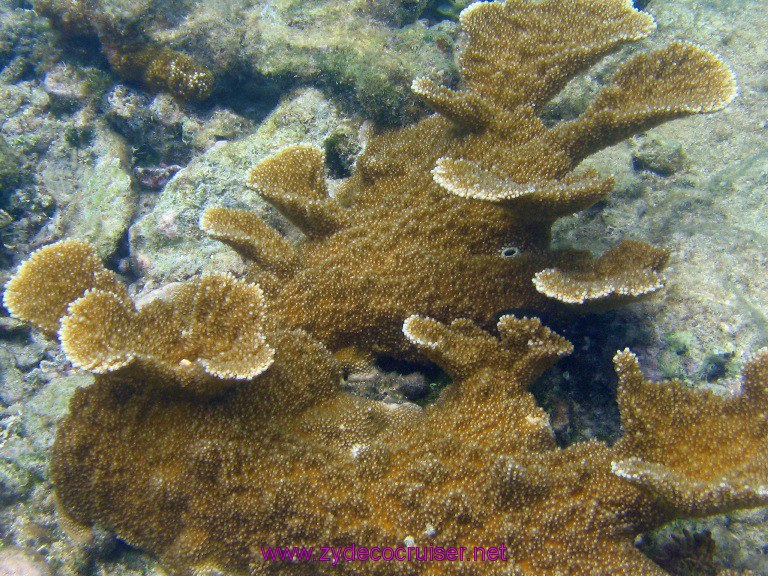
(629, 270)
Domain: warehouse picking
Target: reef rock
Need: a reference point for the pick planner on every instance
(166, 244)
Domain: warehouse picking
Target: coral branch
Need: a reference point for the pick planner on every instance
(465, 108)
(648, 90)
(629, 270)
(54, 276)
(293, 182)
(206, 338)
(252, 238)
(702, 455)
(527, 347)
(290, 458)
(537, 198)
(523, 53)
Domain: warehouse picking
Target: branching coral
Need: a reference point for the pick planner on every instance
(214, 429)
(48, 282)
(286, 458)
(451, 217)
(204, 339)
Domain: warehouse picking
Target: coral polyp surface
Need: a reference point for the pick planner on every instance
(451, 217)
(217, 426)
(286, 458)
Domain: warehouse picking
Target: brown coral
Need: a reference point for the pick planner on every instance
(161, 68)
(269, 467)
(206, 338)
(55, 276)
(285, 458)
(452, 217)
(446, 219)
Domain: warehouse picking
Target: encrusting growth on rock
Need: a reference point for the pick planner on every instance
(216, 428)
(429, 219)
(160, 68)
(129, 52)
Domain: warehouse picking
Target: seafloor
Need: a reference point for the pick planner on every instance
(84, 153)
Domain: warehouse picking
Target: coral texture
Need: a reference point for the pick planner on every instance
(287, 458)
(163, 69)
(451, 217)
(216, 427)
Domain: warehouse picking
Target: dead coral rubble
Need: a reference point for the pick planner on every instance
(215, 428)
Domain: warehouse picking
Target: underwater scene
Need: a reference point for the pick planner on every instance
(383, 287)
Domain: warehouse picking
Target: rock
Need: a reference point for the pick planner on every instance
(167, 245)
(99, 205)
(66, 88)
(105, 208)
(17, 562)
(658, 155)
(27, 43)
(156, 128)
(13, 386)
(15, 484)
(10, 173)
(367, 52)
(43, 410)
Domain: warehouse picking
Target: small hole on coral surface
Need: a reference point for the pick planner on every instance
(510, 252)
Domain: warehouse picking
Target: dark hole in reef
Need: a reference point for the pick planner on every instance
(85, 51)
(119, 261)
(338, 163)
(682, 552)
(715, 366)
(391, 364)
(398, 381)
(510, 251)
(579, 392)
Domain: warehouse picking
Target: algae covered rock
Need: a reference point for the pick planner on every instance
(27, 43)
(10, 168)
(105, 207)
(17, 562)
(660, 156)
(167, 243)
(189, 49)
(335, 44)
(99, 204)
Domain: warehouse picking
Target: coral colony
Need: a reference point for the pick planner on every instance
(217, 428)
